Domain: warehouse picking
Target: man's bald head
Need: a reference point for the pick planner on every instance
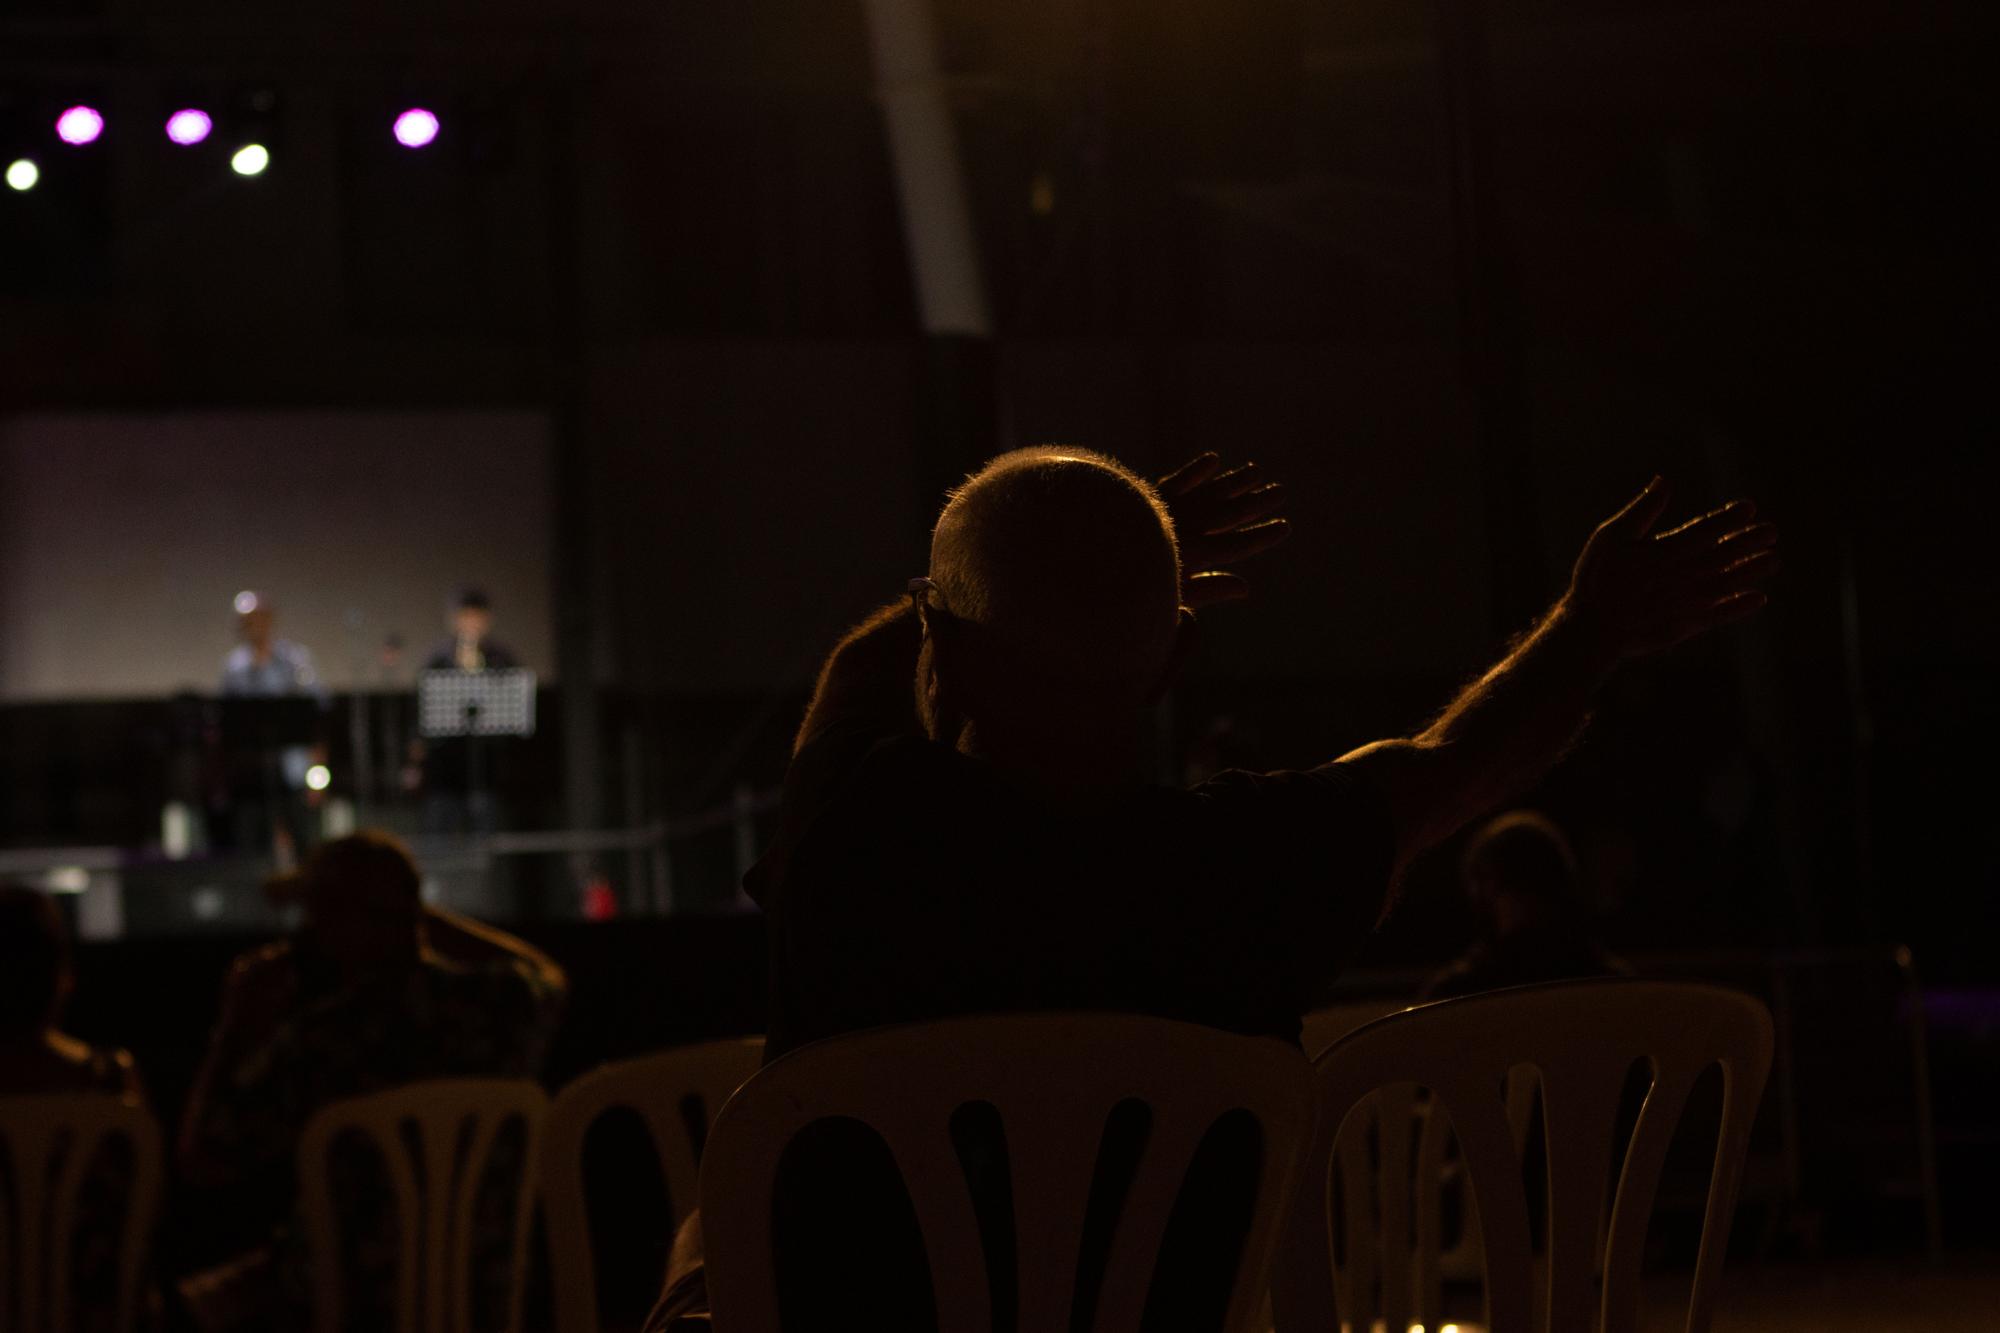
(1066, 563)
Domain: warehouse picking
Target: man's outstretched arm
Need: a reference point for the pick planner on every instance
(1633, 592)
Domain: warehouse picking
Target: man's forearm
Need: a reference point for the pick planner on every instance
(1498, 736)
(1507, 728)
(464, 940)
(870, 675)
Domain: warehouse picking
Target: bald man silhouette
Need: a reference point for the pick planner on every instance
(968, 825)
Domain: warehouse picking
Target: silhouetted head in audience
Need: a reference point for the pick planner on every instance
(255, 619)
(1520, 873)
(362, 903)
(471, 615)
(34, 963)
(1052, 619)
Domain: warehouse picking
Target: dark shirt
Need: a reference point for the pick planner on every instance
(440, 1019)
(910, 882)
(493, 656)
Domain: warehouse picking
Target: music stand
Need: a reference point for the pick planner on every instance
(475, 705)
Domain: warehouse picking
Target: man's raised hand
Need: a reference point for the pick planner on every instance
(1643, 591)
(1220, 517)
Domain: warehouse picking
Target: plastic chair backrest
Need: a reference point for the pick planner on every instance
(1429, 1262)
(1323, 1027)
(1580, 1039)
(1054, 1080)
(37, 1232)
(678, 1094)
(435, 1226)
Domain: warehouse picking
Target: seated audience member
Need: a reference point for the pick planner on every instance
(968, 825)
(374, 991)
(1522, 883)
(36, 1056)
(38, 1059)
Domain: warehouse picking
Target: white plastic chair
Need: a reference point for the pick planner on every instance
(1581, 1039)
(1431, 1263)
(1323, 1027)
(434, 1267)
(36, 1235)
(1053, 1079)
(673, 1092)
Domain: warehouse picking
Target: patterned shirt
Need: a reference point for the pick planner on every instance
(441, 1019)
(288, 670)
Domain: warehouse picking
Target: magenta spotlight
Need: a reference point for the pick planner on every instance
(188, 126)
(416, 127)
(79, 125)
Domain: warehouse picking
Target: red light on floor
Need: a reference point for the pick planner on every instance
(599, 902)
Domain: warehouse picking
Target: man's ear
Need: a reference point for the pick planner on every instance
(1187, 637)
(930, 690)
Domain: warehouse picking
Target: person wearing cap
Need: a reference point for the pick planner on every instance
(375, 990)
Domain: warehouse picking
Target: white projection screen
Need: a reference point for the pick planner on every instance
(124, 538)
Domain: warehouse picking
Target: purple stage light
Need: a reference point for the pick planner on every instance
(79, 125)
(188, 126)
(416, 127)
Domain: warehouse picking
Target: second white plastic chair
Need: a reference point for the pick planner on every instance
(1582, 1039)
(677, 1093)
(435, 1226)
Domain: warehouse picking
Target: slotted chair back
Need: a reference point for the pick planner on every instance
(1054, 1080)
(456, 1123)
(1579, 1040)
(1428, 1263)
(677, 1094)
(1323, 1027)
(50, 1143)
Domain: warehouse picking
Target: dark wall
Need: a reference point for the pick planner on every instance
(1738, 244)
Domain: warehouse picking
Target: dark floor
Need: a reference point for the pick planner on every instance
(1960, 1294)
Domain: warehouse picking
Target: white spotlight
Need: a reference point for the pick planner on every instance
(22, 174)
(250, 160)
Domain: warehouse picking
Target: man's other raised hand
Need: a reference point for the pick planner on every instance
(1641, 591)
(1220, 517)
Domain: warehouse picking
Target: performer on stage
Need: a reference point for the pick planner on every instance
(264, 665)
(469, 647)
(453, 801)
(272, 806)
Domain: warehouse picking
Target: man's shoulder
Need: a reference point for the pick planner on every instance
(846, 759)
(457, 981)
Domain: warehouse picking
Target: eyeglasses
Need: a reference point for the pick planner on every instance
(927, 611)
